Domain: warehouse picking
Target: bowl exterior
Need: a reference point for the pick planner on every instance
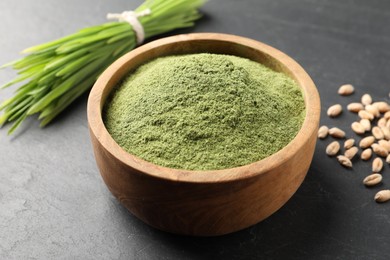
(203, 209)
(203, 203)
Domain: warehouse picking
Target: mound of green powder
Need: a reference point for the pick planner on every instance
(204, 112)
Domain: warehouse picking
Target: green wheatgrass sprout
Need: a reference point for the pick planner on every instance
(58, 72)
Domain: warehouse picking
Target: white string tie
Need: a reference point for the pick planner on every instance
(132, 18)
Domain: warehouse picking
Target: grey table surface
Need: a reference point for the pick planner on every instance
(54, 204)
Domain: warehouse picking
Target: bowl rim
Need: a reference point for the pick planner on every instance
(308, 128)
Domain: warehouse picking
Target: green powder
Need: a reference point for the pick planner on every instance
(204, 112)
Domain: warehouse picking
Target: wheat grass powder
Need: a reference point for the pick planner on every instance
(204, 111)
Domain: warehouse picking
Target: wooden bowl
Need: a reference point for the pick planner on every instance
(203, 203)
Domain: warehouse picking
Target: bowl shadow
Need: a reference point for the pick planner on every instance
(297, 231)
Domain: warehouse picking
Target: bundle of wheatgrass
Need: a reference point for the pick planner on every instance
(56, 73)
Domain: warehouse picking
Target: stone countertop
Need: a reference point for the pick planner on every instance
(54, 204)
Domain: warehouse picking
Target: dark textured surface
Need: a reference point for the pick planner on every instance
(53, 203)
